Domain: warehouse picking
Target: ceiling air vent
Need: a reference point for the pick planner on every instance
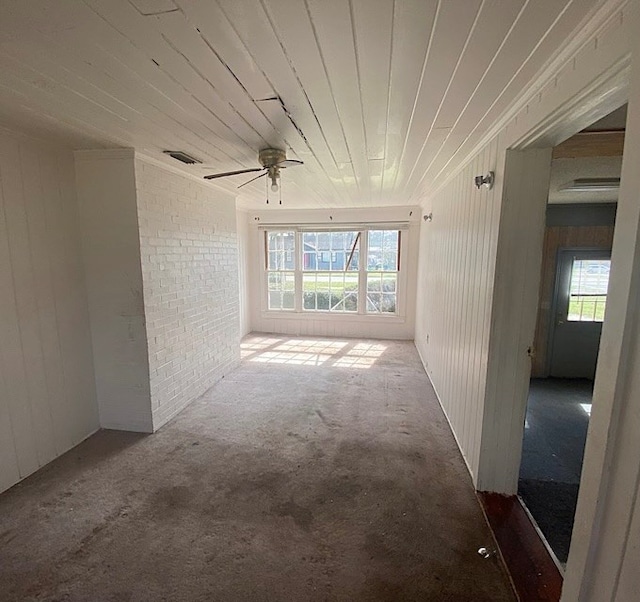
(182, 156)
(591, 185)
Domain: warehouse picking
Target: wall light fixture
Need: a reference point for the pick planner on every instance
(486, 181)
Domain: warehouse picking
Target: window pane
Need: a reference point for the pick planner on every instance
(588, 290)
(330, 291)
(383, 250)
(281, 246)
(281, 290)
(275, 300)
(288, 300)
(330, 251)
(381, 292)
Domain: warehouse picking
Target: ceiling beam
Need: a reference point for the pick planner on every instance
(591, 144)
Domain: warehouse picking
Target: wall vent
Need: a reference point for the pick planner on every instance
(182, 156)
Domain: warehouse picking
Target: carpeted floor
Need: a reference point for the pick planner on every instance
(554, 440)
(319, 470)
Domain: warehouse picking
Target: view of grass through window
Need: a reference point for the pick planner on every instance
(382, 270)
(331, 272)
(588, 290)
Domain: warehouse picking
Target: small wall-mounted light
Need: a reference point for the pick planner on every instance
(487, 180)
(428, 217)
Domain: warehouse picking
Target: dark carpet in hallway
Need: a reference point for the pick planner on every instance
(555, 434)
(320, 470)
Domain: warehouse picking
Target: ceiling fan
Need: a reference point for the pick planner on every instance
(272, 161)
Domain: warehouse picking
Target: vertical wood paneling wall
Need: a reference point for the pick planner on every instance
(465, 318)
(513, 316)
(47, 388)
(557, 237)
(454, 292)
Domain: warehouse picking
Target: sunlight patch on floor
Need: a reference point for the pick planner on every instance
(312, 352)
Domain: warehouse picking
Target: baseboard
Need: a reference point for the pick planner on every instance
(444, 411)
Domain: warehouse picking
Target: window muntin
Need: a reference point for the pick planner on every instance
(330, 271)
(383, 265)
(330, 291)
(330, 251)
(280, 264)
(330, 276)
(588, 290)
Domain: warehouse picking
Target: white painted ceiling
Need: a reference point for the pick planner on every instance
(377, 97)
(565, 170)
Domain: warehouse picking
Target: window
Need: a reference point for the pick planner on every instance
(383, 265)
(330, 271)
(588, 290)
(280, 264)
(322, 271)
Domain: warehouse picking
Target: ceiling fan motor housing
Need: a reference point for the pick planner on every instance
(269, 157)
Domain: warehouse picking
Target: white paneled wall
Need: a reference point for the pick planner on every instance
(189, 254)
(468, 321)
(47, 388)
(455, 287)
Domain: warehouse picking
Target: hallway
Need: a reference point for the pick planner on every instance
(553, 447)
(321, 469)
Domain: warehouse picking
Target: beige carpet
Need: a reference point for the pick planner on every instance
(321, 469)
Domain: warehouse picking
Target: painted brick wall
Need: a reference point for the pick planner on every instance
(189, 255)
(47, 387)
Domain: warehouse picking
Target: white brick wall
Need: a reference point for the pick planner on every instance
(189, 257)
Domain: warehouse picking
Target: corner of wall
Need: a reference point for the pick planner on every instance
(113, 276)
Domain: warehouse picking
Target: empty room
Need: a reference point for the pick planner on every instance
(277, 305)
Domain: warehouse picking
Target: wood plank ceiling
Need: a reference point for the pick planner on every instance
(377, 97)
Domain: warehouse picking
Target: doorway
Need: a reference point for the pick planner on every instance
(574, 283)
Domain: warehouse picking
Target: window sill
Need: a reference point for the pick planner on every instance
(326, 315)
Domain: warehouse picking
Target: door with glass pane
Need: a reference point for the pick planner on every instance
(580, 302)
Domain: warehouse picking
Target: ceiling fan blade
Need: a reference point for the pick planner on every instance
(232, 173)
(266, 171)
(289, 163)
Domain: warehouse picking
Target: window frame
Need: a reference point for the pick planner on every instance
(267, 271)
(592, 297)
(361, 315)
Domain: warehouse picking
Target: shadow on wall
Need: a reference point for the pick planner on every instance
(312, 352)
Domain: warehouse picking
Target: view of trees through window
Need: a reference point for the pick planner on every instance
(331, 273)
